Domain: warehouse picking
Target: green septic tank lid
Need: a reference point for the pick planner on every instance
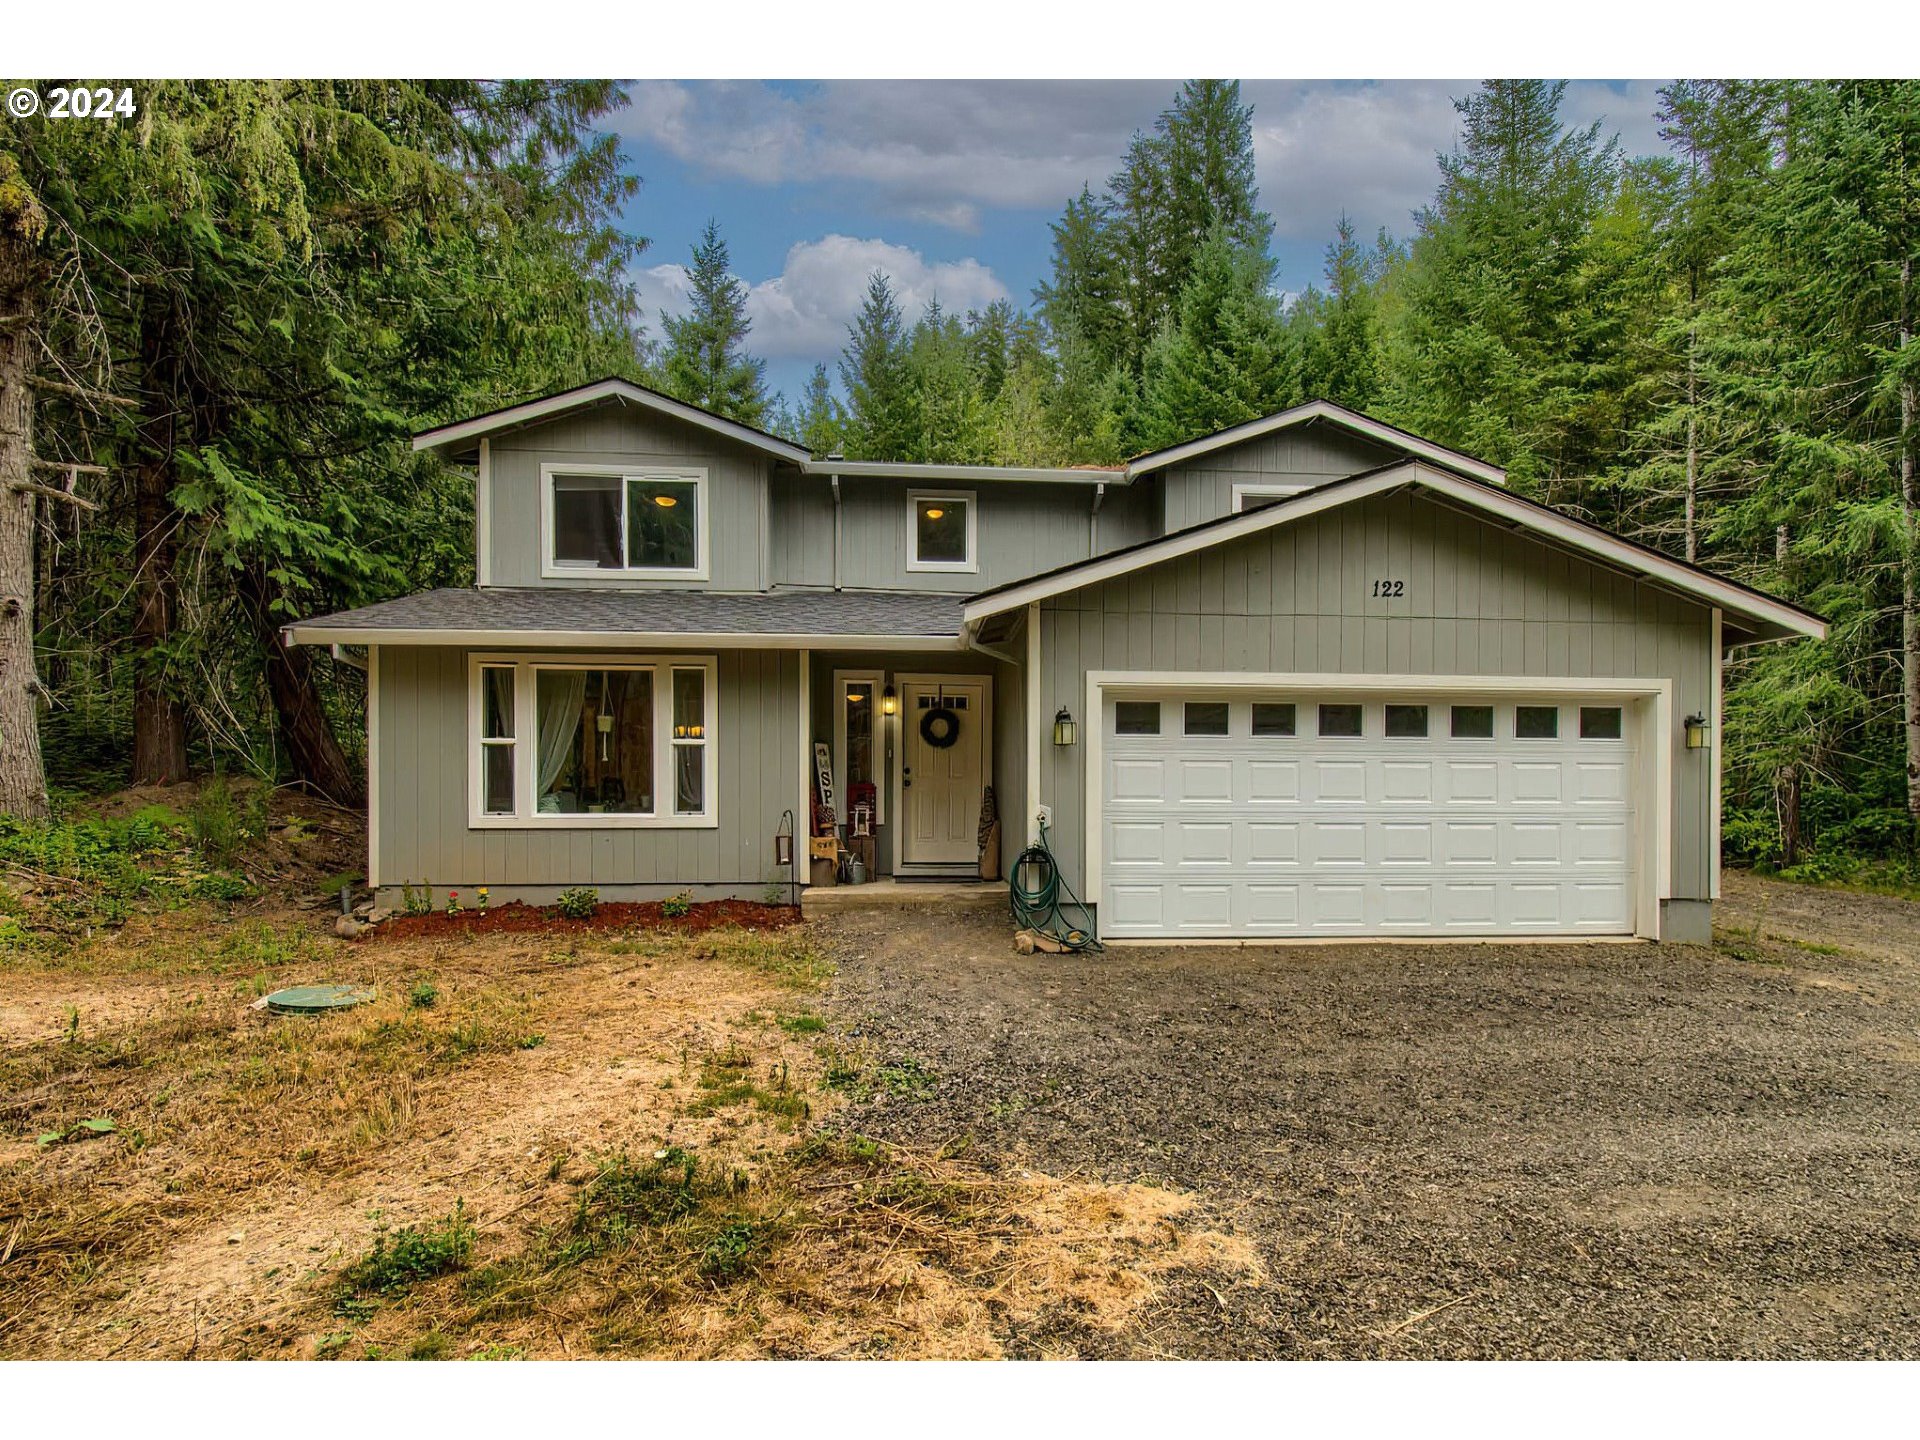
(316, 999)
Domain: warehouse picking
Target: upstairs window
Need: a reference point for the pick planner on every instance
(608, 522)
(943, 532)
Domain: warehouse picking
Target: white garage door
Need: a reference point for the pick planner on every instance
(1330, 814)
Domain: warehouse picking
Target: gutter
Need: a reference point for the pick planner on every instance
(1093, 519)
(835, 479)
(616, 639)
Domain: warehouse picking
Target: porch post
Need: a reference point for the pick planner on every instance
(803, 814)
(1035, 712)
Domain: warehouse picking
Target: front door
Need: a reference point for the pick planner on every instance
(944, 723)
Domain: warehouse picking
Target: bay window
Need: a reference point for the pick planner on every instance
(604, 521)
(587, 742)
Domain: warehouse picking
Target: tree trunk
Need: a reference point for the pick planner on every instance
(23, 780)
(317, 757)
(159, 718)
(1909, 619)
(1787, 801)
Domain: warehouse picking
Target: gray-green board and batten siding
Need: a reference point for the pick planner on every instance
(424, 831)
(1295, 599)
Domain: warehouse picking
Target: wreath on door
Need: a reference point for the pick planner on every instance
(940, 727)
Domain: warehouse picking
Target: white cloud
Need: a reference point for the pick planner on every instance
(803, 312)
(946, 151)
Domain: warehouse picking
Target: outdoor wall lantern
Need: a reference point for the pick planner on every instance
(889, 702)
(783, 840)
(1064, 730)
(1696, 732)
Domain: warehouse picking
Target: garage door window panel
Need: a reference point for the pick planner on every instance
(1473, 722)
(1273, 721)
(1600, 722)
(1136, 717)
(1341, 722)
(1206, 717)
(1536, 722)
(1406, 722)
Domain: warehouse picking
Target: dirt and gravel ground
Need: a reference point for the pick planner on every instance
(1591, 1150)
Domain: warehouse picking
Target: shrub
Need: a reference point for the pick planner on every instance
(423, 995)
(578, 903)
(220, 822)
(676, 906)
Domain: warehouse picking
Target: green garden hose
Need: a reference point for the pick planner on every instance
(1037, 905)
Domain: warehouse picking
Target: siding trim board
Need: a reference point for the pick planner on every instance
(1590, 540)
(619, 639)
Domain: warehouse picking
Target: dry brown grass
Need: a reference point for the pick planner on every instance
(256, 1158)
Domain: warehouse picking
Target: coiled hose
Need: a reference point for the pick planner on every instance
(1037, 905)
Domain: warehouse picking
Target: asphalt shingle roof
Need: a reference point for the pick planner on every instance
(825, 613)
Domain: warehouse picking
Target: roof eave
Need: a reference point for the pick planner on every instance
(1767, 617)
(1353, 420)
(311, 634)
(463, 433)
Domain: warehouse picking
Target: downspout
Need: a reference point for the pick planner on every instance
(834, 479)
(1093, 519)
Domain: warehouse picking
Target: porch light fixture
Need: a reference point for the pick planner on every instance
(934, 512)
(1064, 730)
(889, 702)
(1696, 732)
(665, 502)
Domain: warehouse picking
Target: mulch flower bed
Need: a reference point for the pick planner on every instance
(516, 918)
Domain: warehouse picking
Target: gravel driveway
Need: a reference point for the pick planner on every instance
(1589, 1151)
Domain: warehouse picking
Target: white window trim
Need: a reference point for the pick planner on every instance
(1262, 491)
(697, 475)
(842, 780)
(526, 815)
(969, 566)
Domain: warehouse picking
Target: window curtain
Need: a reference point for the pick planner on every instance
(563, 693)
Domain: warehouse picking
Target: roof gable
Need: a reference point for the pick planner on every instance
(1765, 616)
(468, 432)
(1321, 410)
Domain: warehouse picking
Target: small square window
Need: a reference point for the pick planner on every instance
(1600, 722)
(1206, 717)
(1536, 722)
(1272, 720)
(943, 532)
(1473, 722)
(1340, 721)
(1406, 722)
(1136, 717)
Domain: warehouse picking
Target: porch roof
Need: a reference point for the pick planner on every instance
(779, 619)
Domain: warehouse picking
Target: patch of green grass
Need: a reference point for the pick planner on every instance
(1812, 947)
(403, 1258)
(423, 995)
(805, 1023)
(498, 1352)
(732, 1250)
(726, 1081)
(904, 1078)
(431, 1346)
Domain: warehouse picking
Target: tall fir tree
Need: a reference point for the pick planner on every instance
(883, 413)
(820, 423)
(1226, 358)
(1340, 351)
(705, 361)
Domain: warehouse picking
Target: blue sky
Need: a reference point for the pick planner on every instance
(949, 185)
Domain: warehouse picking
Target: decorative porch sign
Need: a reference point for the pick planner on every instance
(823, 775)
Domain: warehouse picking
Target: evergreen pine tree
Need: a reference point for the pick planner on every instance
(820, 424)
(1341, 352)
(883, 420)
(706, 361)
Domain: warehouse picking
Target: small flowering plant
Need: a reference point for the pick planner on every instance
(482, 894)
(453, 902)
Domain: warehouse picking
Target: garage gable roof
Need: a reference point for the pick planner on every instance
(1327, 410)
(466, 433)
(1767, 617)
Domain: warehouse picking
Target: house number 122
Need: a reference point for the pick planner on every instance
(1390, 589)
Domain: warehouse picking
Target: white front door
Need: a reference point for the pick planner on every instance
(941, 784)
(1329, 814)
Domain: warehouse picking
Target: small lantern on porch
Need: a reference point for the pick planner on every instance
(783, 841)
(889, 702)
(1697, 733)
(1064, 730)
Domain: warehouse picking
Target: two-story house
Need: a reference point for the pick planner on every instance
(1311, 676)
